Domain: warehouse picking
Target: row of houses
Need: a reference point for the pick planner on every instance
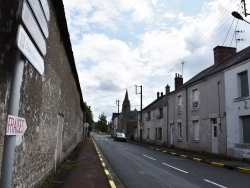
(210, 113)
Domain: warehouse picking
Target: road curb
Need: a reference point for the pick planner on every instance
(245, 170)
(217, 164)
(100, 155)
(114, 181)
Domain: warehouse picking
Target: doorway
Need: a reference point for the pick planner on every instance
(214, 136)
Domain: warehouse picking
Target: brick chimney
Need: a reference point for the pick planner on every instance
(178, 80)
(158, 94)
(161, 94)
(222, 52)
(167, 89)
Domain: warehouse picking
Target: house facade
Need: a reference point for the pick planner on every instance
(237, 86)
(199, 115)
(154, 118)
(196, 116)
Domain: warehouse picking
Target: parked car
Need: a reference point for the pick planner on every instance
(120, 137)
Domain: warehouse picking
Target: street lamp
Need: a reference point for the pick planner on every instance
(238, 16)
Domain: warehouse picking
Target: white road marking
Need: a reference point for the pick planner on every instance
(149, 157)
(175, 168)
(215, 183)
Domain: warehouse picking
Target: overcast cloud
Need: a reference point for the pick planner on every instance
(118, 44)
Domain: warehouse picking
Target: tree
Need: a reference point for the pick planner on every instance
(102, 123)
(89, 116)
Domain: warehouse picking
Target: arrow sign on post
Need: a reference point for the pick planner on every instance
(15, 125)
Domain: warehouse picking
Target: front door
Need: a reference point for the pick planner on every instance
(214, 136)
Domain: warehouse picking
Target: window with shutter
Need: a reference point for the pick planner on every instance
(179, 130)
(196, 130)
(160, 113)
(149, 116)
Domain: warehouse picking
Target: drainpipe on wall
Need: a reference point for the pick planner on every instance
(219, 104)
(167, 120)
(186, 118)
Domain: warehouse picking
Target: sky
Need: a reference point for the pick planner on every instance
(118, 44)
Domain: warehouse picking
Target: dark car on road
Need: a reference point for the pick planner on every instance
(120, 137)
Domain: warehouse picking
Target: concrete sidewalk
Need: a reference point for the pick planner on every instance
(212, 159)
(85, 169)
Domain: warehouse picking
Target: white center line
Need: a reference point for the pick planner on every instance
(215, 183)
(149, 157)
(175, 168)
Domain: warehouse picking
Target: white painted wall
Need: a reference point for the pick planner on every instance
(236, 107)
(153, 124)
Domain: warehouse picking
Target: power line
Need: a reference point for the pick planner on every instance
(108, 91)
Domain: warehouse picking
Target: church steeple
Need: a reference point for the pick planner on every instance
(126, 102)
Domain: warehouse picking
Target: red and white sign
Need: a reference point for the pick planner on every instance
(15, 125)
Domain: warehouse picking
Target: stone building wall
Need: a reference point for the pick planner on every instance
(51, 103)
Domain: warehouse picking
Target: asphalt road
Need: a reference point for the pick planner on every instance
(137, 167)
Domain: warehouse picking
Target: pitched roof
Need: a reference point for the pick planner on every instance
(114, 115)
(131, 115)
(216, 68)
(160, 102)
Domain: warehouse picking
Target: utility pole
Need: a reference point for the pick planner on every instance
(141, 124)
(117, 104)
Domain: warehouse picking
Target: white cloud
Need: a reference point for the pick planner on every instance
(120, 43)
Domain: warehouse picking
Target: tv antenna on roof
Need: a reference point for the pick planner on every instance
(182, 67)
(237, 39)
(245, 9)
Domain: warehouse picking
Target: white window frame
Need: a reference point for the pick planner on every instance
(240, 84)
(245, 129)
(195, 98)
(179, 104)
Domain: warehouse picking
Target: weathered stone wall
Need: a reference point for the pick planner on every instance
(51, 104)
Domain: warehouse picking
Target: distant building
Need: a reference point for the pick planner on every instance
(128, 118)
(114, 126)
